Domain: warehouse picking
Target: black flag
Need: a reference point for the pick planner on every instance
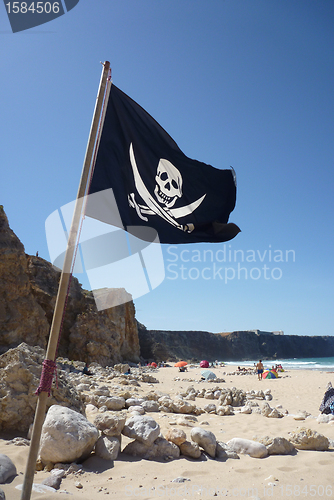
(154, 184)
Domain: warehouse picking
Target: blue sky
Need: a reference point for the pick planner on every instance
(244, 83)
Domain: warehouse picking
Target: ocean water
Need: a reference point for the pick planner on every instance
(323, 364)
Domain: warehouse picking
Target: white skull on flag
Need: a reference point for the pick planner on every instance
(168, 183)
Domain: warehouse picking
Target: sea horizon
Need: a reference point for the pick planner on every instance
(320, 364)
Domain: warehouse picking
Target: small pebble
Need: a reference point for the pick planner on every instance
(271, 478)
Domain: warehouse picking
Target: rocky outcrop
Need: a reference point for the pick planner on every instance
(308, 439)
(20, 371)
(28, 290)
(21, 316)
(162, 345)
(44, 279)
(107, 337)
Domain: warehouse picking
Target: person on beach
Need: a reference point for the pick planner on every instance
(259, 368)
(86, 371)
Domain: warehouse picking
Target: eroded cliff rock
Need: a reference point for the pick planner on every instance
(107, 337)
(20, 371)
(44, 279)
(21, 316)
(28, 290)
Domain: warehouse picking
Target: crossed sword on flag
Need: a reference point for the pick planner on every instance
(153, 208)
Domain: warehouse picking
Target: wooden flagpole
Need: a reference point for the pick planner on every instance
(64, 283)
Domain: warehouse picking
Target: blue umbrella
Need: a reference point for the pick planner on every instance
(208, 375)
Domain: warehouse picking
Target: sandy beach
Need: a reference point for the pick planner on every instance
(304, 474)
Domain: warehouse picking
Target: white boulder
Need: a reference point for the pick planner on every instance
(160, 448)
(150, 406)
(114, 403)
(134, 402)
(107, 447)
(138, 410)
(205, 439)
(143, 428)
(248, 447)
(67, 436)
(307, 439)
(109, 423)
(190, 449)
(176, 436)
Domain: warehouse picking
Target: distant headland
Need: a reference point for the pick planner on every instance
(239, 345)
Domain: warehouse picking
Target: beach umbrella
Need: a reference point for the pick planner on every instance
(154, 364)
(208, 375)
(204, 364)
(179, 364)
(269, 374)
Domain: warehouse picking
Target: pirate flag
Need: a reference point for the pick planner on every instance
(154, 185)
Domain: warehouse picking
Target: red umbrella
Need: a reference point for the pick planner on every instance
(180, 364)
(154, 364)
(204, 364)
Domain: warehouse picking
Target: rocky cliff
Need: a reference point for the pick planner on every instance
(28, 289)
(190, 345)
(21, 316)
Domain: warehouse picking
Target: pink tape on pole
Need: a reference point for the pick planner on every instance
(45, 383)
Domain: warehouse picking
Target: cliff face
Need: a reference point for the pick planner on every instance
(107, 337)
(251, 346)
(165, 345)
(237, 346)
(21, 317)
(28, 289)
(44, 279)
